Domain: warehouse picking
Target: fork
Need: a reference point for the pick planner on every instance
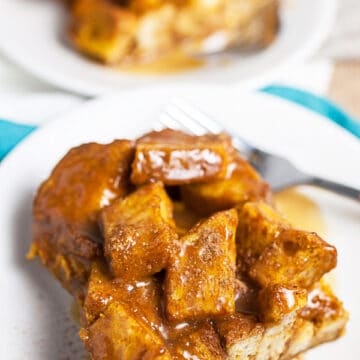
(279, 172)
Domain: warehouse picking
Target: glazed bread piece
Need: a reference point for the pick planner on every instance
(140, 31)
(242, 184)
(138, 232)
(118, 334)
(279, 306)
(199, 341)
(241, 335)
(200, 278)
(66, 236)
(297, 257)
(141, 296)
(323, 319)
(176, 158)
(246, 337)
(277, 301)
(274, 253)
(101, 30)
(259, 225)
(122, 319)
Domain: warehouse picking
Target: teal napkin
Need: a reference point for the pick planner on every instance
(12, 133)
(318, 104)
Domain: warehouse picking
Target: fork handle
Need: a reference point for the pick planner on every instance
(333, 186)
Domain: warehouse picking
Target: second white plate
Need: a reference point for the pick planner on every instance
(32, 34)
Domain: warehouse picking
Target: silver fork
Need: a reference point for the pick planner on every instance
(279, 172)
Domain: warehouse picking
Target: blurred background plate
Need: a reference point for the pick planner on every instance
(32, 34)
(36, 319)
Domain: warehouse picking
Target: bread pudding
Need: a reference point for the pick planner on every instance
(173, 249)
(141, 31)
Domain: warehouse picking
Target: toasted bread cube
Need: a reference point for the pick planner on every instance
(326, 312)
(200, 280)
(279, 306)
(138, 232)
(241, 335)
(199, 342)
(259, 225)
(141, 297)
(276, 301)
(66, 233)
(176, 158)
(102, 30)
(242, 184)
(100, 292)
(322, 320)
(119, 334)
(297, 257)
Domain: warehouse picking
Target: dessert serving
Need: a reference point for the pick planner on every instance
(141, 31)
(173, 249)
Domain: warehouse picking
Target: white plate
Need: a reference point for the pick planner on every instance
(35, 310)
(32, 33)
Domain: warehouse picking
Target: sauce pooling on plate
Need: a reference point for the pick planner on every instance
(301, 211)
(175, 62)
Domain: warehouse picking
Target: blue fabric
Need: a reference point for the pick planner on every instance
(12, 133)
(316, 103)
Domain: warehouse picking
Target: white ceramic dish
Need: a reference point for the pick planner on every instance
(35, 318)
(32, 34)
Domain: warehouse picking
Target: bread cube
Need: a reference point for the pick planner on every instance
(200, 279)
(242, 184)
(297, 257)
(142, 298)
(326, 312)
(241, 335)
(200, 342)
(323, 319)
(66, 207)
(119, 334)
(100, 292)
(176, 158)
(102, 30)
(138, 232)
(259, 225)
(276, 301)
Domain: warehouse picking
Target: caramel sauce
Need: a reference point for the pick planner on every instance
(75, 312)
(301, 211)
(184, 218)
(175, 62)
